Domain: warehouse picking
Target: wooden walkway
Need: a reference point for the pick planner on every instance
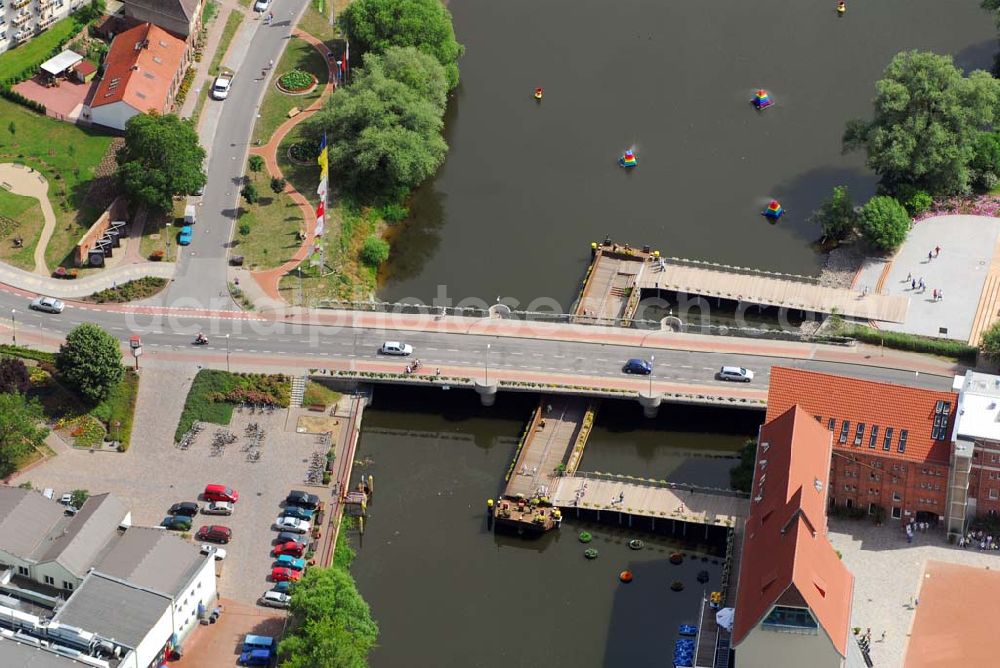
(347, 443)
(551, 438)
(609, 286)
(988, 310)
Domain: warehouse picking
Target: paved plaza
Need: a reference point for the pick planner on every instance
(967, 248)
(888, 572)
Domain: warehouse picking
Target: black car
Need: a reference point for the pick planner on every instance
(303, 499)
(186, 508)
(285, 536)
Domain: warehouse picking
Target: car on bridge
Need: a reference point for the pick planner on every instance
(186, 235)
(47, 305)
(395, 348)
(735, 373)
(639, 366)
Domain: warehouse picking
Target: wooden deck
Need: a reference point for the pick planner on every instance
(609, 285)
(988, 310)
(551, 437)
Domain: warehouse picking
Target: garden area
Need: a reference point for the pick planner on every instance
(21, 217)
(267, 230)
(299, 57)
(140, 288)
(214, 394)
(319, 393)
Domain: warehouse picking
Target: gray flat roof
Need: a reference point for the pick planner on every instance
(154, 559)
(113, 609)
(26, 518)
(22, 655)
(80, 542)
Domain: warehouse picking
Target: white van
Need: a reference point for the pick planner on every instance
(736, 373)
(190, 214)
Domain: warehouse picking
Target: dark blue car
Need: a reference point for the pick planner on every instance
(639, 366)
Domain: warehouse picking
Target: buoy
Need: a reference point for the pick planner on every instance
(590, 553)
(703, 577)
(538, 93)
(628, 159)
(371, 484)
(585, 537)
(676, 558)
(489, 503)
(625, 576)
(761, 100)
(841, 7)
(636, 544)
(773, 211)
(676, 585)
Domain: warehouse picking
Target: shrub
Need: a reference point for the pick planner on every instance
(884, 222)
(296, 80)
(244, 227)
(918, 203)
(375, 251)
(13, 375)
(255, 163)
(208, 398)
(278, 185)
(156, 256)
(913, 343)
(250, 193)
(140, 288)
(395, 213)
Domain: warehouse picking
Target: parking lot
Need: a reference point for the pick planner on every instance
(155, 473)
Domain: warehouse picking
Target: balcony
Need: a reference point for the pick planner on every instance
(20, 19)
(22, 36)
(46, 21)
(17, 4)
(45, 4)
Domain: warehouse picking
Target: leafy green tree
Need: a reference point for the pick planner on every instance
(255, 163)
(278, 185)
(387, 137)
(741, 475)
(836, 216)
(410, 66)
(331, 624)
(90, 361)
(990, 341)
(927, 117)
(13, 375)
(21, 430)
(377, 25)
(244, 228)
(375, 251)
(986, 160)
(78, 497)
(161, 158)
(884, 222)
(250, 193)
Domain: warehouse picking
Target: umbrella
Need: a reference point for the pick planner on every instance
(724, 618)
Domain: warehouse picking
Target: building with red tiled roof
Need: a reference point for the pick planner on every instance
(142, 72)
(793, 603)
(891, 443)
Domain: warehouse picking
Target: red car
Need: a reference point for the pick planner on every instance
(279, 574)
(220, 493)
(215, 533)
(291, 548)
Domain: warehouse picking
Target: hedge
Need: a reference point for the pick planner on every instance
(913, 343)
(27, 353)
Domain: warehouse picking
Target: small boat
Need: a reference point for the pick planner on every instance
(841, 8)
(687, 630)
(625, 576)
(628, 159)
(538, 93)
(761, 100)
(773, 211)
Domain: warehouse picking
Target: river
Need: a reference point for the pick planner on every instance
(527, 186)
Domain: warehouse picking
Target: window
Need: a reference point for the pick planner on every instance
(941, 411)
(859, 435)
(902, 441)
(68, 586)
(819, 418)
(849, 503)
(847, 488)
(830, 424)
(874, 437)
(49, 580)
(799, 618)
(887, 442)
(896, 497)
(844, 428)
(993, 493)
(871, 508)
(22, 570)
(897, 513)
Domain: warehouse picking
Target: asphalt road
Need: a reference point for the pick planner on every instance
(201, 271)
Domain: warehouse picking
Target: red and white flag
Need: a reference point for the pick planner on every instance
(320, 219)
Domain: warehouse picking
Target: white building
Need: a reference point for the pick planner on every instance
(24, 19)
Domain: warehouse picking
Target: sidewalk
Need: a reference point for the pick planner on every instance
(201, 77)
(85, 286)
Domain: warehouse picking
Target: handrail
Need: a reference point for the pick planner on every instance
(663, 484)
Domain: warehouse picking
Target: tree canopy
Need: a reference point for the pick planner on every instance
(377, 25)
(990, 341)
(741, 475)
(161, 158)
(927, 117)
(90, 361)
(332, 625)
(21, 430)
(884, 222)
(836, 216)
(415, 69)
(13, 375)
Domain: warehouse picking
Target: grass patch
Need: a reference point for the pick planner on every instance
(140, 288)
(118, 410)
(20, 216)
(211, 11)
(318, 393)
(912, 342)
(274, 223)
(213, 393)
(317, 24)
(200, 104)
(245, 3)
(298, 54)
(343, 553)
(36, 51)
(232, 25)
(27, 353)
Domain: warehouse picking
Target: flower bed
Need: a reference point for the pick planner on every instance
(297, 82)
(983, 205)
(303, 152)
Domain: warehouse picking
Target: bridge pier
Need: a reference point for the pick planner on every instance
(487, 393)
(650, 403)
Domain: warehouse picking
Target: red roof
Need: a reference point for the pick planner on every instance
(85, 67)
(786, 554)
(868, 403)
(140, 68)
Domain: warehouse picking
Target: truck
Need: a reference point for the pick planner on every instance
(220, 89)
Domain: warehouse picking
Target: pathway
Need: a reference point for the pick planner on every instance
(86, 285)
(268, 280)
(22, 180)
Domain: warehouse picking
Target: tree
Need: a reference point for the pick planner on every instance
(990, 341)
(387, 137)
(331, 624)
(255, 163)
(250, 193)
(377, 25)
(927, 117)
(161, 158)
(884, 222)
(13, 375)
(985, 162)
(375, 251)
(90, 361)
(836, 216)
(741, 475)
(78, 497)
(278, 185)
(414, 68)
(21, 430)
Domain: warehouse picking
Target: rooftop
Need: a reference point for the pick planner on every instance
(113, 609)
(153, 559)
(140, 68)
(24, 655)
(79, 543)
(26, 518)
(61, 62)
(978, 413)
(905, 423)
(175, 9)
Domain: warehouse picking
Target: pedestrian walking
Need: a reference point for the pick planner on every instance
(883, 636)
(270, 64)
(934, 294)
(909, 277)
(940, 295)
(930, 255)
(923, 286)
(937, 251)
(913, 284)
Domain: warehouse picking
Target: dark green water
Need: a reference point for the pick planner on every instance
(446, 591)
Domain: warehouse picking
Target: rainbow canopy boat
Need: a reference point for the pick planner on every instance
(761, 100)
(773, 210)
(628, 159)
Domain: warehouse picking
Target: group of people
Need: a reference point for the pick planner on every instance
(914, 527)
(981, 539)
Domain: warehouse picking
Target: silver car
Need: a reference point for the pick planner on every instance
(395, 348)
(274, 599)
(47, 304)
(218, 508)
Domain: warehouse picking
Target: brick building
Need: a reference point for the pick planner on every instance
(892, 444)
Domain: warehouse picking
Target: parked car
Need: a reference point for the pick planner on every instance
(639, 366)
(274, 599)
(66, 499)
(291, 547)
(189, 508)
(282, 587)
(177, 522)
(218, 552)
(735, 373)
(261, 5)
(218, 508)
(303, 499)
(297, 512)
(47, 304)
(395, 348)
(220, 493)
(255, 657)
(292, 524)
(288, 561)
(215, 533)
(280, 574)
(186, 235)
(290, 537)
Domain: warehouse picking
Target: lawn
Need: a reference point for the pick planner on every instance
(318, 25)
(20, 216)
(232, 25)
(159, 229)
(117, 411)
(274, 223)
(208, 400)
(36, 51)
(319, 394)
(298, 54)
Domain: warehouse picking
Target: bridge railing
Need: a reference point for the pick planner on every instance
(662, 484)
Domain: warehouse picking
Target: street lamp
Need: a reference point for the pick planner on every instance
(227, 353)
(13, 324)
(487, 364)
(652, 360)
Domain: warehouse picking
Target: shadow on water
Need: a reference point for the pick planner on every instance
(802, 195)
(978, 56)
